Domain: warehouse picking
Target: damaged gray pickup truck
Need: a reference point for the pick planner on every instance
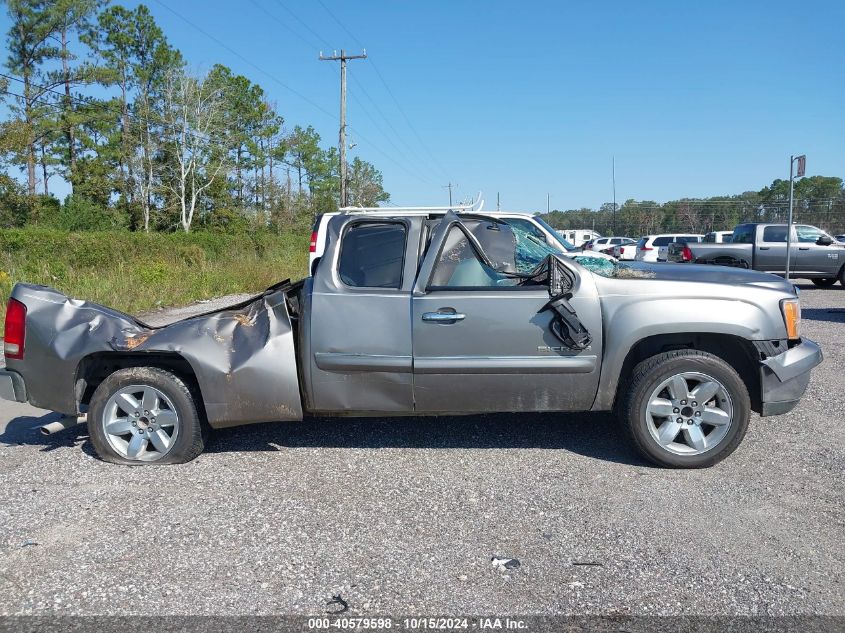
(426, 315)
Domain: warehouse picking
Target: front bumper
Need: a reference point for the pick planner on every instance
(784, 377)
(12, 386)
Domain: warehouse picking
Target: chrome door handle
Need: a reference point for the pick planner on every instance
(443, 317)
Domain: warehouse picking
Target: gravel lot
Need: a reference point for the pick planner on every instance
(402, 516)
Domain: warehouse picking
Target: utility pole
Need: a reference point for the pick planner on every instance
(548, 203)
(613, 171)
(497, 201)
(449, 187)
(802, 162)
(342, 58)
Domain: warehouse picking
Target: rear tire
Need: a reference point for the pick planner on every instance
(824, 282)
(145, 415)
(685, 409)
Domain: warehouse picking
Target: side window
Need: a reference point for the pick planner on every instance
(710, 238)
(808, 233)
(459, 266)
(744, 234)
(774, 234)
(372, 254)
(662, 241)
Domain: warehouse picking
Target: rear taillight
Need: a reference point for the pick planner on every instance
(646, 248)
(312, 247)
(686, 254)
(15, 329)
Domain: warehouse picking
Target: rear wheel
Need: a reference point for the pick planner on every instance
(824, 282)
(686, 409)
(144, 415)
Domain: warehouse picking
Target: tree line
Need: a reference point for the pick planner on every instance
(818, 200)
(98, 97)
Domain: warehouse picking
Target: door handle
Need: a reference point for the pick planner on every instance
(803, 248)
(441, 316)
(764, 248)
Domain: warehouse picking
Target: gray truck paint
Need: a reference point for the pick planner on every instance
(243, 357)
(321, 346)
(808, 259)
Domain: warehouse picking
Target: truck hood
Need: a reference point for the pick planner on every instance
(703, 273)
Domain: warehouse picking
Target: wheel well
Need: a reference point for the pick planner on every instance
(734, 350)
(94, 369)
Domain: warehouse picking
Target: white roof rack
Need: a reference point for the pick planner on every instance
(475, 206)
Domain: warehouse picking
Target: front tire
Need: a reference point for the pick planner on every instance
(685, 409)
(144, 415)
(824, 282)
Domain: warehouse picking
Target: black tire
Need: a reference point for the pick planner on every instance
(189, 441)
(842, 275)
(824, 282)
(648, 376)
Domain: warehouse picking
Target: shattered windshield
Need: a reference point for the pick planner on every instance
(531, 245)
(532, 249)
(569, 246)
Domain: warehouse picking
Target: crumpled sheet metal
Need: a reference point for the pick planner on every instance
(243, 356)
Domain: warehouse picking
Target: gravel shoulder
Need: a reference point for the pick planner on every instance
(402, 516)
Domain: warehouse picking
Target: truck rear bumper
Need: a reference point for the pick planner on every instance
(784, 378)
(12, 386)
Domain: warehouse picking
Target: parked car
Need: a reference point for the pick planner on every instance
(815, 255)
(840, 238)
(606, 244)
(625, 252)
(653, 248)
(420, 315)
(529, 222)
(717, 237)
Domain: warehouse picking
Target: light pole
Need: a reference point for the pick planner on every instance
(802, 163)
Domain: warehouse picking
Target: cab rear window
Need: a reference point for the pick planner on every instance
(372, 255)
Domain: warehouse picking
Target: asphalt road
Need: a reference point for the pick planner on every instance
(402, 516)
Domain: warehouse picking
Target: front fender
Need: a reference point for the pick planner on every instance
(629, 320)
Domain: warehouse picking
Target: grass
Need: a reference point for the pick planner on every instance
(138, 272)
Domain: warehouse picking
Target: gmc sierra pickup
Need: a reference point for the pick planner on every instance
(419, 315)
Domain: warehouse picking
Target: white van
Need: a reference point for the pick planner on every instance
(579, 236)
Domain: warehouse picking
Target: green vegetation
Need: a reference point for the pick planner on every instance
(819, 200)
(137, 272)
(182, 186)
(95, 95)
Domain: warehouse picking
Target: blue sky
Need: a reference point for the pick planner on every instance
(692, 98)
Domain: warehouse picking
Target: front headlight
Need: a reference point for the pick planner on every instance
(791, 310)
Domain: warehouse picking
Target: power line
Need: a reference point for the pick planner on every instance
(104, 105)
(284, 85)
(389, 91)
(220, 43)
(303, 23)
(357, 83)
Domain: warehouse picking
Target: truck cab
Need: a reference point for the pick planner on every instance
(459, 351)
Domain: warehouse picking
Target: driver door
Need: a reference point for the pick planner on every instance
(482, 342)
(817, 258)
